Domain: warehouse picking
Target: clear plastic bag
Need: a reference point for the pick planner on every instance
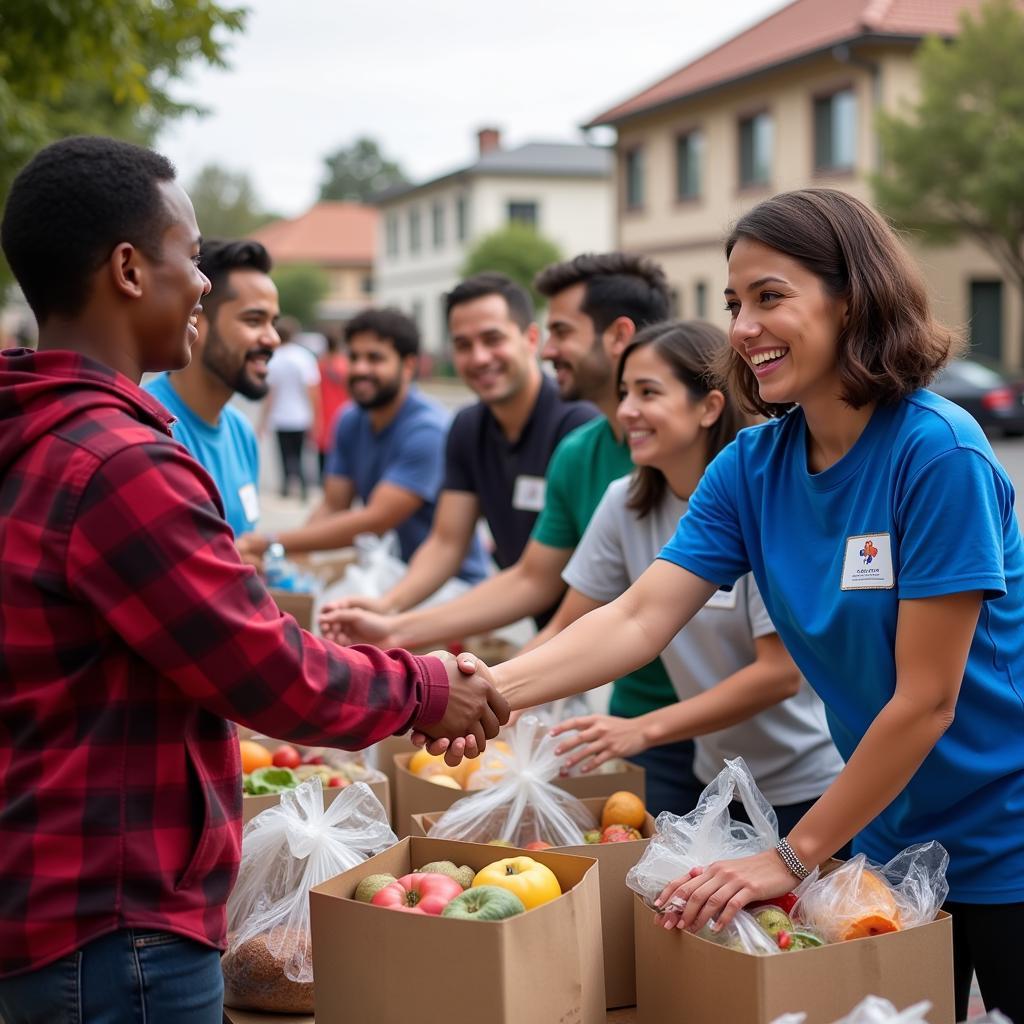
(874, 1010)
(708, 833)
(518, 802)
(377, 568)
(286, 850)
(860, 899)
(744, 935)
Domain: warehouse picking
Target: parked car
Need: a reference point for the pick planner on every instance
(992, 397)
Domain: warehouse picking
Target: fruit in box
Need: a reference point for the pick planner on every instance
(463, 875)
(444, 780)
(592, 837)
(418, 893)
(620, 834)
(537, 844)
(286, 756)
(773, 920)
(623, 808)
(254, 756)
(371, 885)
(484, 903)
(534, 883)
(871, 908)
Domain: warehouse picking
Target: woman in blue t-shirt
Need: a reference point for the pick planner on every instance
(882, 535)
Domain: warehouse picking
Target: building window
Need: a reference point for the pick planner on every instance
(416, 312)
(986, 310)
(756, 145)
(700, 300)
(689, 155)
(414, 229)
(461, 218)
(634, 179)
(835, 131)
(522, 213)
(391, 229)
(437, 221)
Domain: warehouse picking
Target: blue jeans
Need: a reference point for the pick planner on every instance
(126, 977)
(670, 784)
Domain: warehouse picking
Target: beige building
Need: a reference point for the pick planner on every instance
(427, 230)
(340, 239)
(790, 102)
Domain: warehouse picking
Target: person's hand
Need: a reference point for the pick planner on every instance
(252, 545)
(370, 604)
(598, 738)
(475, 713)
(722, 889)
(346, 625)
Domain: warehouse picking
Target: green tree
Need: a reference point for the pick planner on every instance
(954, 161)
(516, 250)
(226, 203)
(358, 172)
(300, 287)
(98, 67)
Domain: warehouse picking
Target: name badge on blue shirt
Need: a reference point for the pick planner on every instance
(867, 564)
(529, 493)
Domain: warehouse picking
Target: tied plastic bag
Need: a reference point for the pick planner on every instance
(708, 833)
(874, 1010)
(377, 568)
(518, 803)
(286, 851)
(860, 899)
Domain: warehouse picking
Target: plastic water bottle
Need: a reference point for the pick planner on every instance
(276, 569)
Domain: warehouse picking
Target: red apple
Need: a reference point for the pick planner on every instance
(537, 844)
(620, 834)
(337, 780)
(286, 756)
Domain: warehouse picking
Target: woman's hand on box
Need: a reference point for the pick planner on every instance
(598, 738)
(722, 889)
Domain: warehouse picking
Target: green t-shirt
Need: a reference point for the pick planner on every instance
(580, 470)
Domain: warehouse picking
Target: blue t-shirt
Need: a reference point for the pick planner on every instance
(919, 507)
(409, 453)
(228, 451)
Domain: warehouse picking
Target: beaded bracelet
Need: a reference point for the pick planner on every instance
(791, 860)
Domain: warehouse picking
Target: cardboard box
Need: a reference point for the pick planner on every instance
(675, 969)
(627, 1016)
(616, 900)
(415, 795)
(377, 965)
(384, 753)
(252, 805)
(300, 606)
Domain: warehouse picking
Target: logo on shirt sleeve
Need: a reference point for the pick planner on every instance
(867, 564)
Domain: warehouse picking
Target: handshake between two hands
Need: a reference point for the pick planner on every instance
(476, 711)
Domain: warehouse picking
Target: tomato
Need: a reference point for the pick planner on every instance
(534, 883)
(286, 756)
(418, 893)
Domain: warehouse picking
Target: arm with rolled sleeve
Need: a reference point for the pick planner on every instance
(149, 551)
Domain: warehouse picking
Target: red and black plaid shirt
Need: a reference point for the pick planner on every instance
(130, 633)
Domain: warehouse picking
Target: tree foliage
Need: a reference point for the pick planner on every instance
(358, 172)
(516, 250)
(72, 67)
(301, 287)
(226, 203)
(954, 161)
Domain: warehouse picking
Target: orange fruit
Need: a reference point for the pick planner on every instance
(444, 780)
(871, 909)
(471, 765)
(254, 756)
(623, 808)
(427, 765)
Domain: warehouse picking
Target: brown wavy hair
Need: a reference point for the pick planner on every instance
(891, 345)
(691, 348)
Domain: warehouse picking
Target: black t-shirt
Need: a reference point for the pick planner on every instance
(508, 478)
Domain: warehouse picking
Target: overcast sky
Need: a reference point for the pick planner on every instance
(310, 75)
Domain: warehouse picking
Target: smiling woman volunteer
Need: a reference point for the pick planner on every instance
(739, 691)
(881, 532)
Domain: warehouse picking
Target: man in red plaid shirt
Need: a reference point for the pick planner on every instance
(130, 633)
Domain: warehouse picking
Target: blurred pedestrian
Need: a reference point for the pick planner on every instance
(333, 396)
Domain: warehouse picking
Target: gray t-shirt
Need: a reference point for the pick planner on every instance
(787, 747)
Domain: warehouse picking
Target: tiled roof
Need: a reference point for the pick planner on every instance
(329, 232)
(534, 159)
(800, 28)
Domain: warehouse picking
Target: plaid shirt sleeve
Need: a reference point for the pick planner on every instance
(150, 552)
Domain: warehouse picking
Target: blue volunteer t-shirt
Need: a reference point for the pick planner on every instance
(409, 453)
(228, 451)
(919, 507)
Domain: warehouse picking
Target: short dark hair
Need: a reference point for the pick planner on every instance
(617, 284)
(70, 206)
(517, 298)
(390, 325)
(219, 257)
(692, 349)
(891, 345)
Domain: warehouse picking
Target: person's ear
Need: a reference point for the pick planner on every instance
(619, 334)
(532, 334)
(714, 406)
(126, 270)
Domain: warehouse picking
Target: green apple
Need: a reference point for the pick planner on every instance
(593, 836)
(371, 885)
(463, 875)
(484, 903)
(773, 920)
